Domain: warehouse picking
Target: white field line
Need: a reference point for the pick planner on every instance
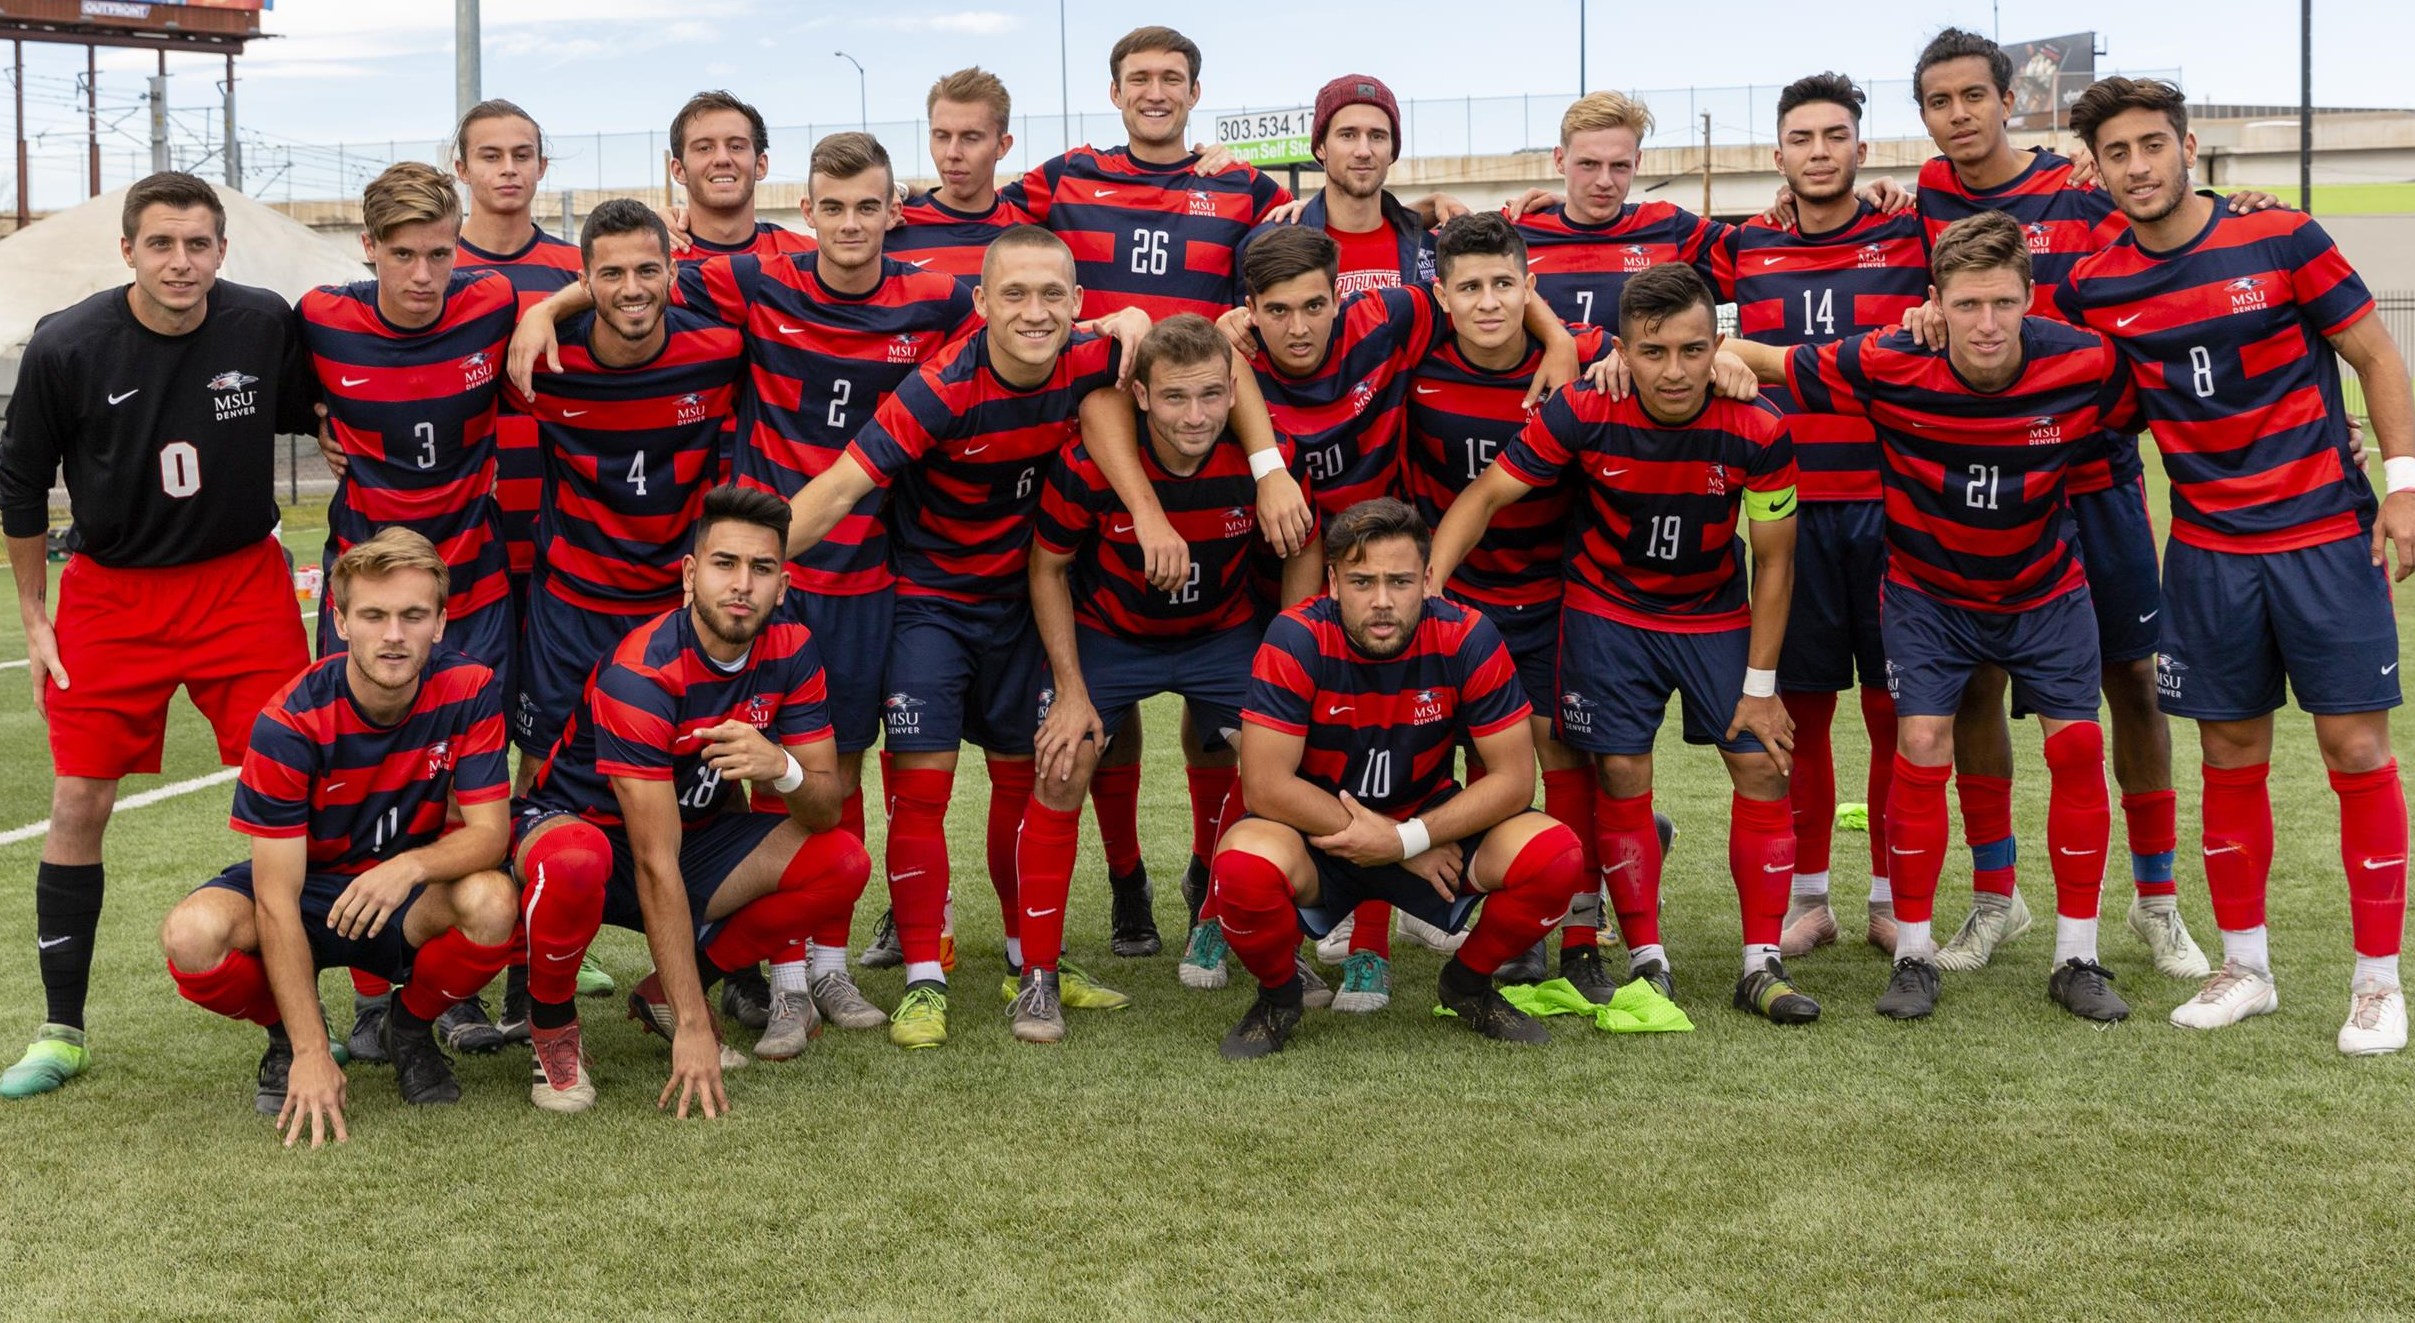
(170, 791)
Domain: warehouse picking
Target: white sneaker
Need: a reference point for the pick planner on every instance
(1427, 935)
(2229, 997)
(2167, 937)
(2377, 1020)
(1334, 947)
(1989, 926)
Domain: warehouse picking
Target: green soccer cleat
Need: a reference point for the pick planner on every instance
(921, 1019)
(593, 981)
(56, 1056)
(1076, 989)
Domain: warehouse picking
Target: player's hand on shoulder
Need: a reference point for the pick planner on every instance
(532, 339)
(675, 219)
(1925, 324)
(1769, 722)
(1442, 867)
(1558, 368)
(1609, 376)
(1731, 379)
(1239, 329)
(1071, 719)
(1287, 214)
(1530, 202)
(2084, 171)
(1214, 158)
(2357, 454)
(1884, 195)
(1129, 326)
(1283, 513)
(741, 752)
(695, 1074)
(2251, 199)
(314, 1100)
(1781, 208)
(1441, 209)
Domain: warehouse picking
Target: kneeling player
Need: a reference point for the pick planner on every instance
(1356, 703)
(636, 819)
(344, 792)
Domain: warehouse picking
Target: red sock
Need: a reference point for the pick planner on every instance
(2079, 817)
(1371, 928)
(1916, 833)
(1811, 793)
(1987, 830)
(2373, 847)
(851, 814)
(1044, 869)
(451, 969)
(831, 931)
(2237, 841)
(565, 872)
(2151, 821)
(1546, 874)
(1568, 796)
(1233, 811)
(236, 987)
(1115, 800)
(1253, 901)
(918, 855)
(370, 985)
(1009, 792)
(1210, 787)
(824, 876)
(1761, 856)
(1630, 854)
(1878, 718)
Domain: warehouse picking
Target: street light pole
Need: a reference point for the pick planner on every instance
(863, 105)
(466, 72)
(1580, 47)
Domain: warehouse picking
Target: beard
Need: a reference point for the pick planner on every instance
(729, 629)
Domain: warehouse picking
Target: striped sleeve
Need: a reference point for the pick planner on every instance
(1495, 700)
(1827, 378)
(1282, 688)
(1066, 503)
(482, 771)
(635, 719)
(272, 791)
(1537, 455)
(2322, 282)
(804, 716)
(903, 429)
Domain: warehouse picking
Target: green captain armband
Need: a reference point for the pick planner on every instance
(1766, 506)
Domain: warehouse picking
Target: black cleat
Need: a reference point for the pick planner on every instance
(1656, 973)
(746, 998)
(421, 1069)
(1132, 915)
(367, 1041)
(1528, 966)
(1195, 887)
(276, 1064)
(884, 952)
(1582, 967)
(1665, 827)
(1267, 1026)
(1767, 993)
(464, 1028)
(2085, 988)
(1911, 992)
(1481, 1007)
(513, 1022)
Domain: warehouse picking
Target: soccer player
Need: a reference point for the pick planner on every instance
(964, 447)
(163, 400)
(1976, 436)
(1112, 638)
(351, 773)
(949, 228)
(1658, 602)
(1583, 249)
(1839, 268)
(1356, 701)
(637, 818)
(1354, 133)
(719, 147)
(2275, 568)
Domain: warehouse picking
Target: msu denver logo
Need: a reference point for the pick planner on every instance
(440, 757)
(229, 381)
(232, 396)
(901, 715)
(2044, 431)
(2247, 293)
(691, 407)
(477, 370)
(1635, 257)
(1576, 711)
(757, 712)
(903, 348)
(1870, 255)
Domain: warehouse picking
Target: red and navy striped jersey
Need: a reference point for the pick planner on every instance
(1461, 417)
(629, 454)
(543, 265)
(414, 412)
(1346, 416)
(1657, 545)
(770, 241)
(363, 793)
(1792, 288)
(2226, 337)
(1384, 729)
(820, 362)
(1580, 269)
(965, 456)
(1974, 480)
(1160, 238)
(934, 236)
(1215, 509)
(645, 704)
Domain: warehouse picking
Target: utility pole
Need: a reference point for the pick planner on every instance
(1706, 163)
(465, 58)
(92, 115)
(2305, 105)
(1580, 47)
(233, 150)
(159, 116)
(24, 210)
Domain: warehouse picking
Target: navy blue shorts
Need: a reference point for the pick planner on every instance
(2116, 545)
(386, 955)
(1211, 674)
(852, 632)
(708, 853)
(1616, 678)
(1832, 630)
(1343, 886)
(2240, 624)
(962, 671)
(558, 652)
(2049, 651)
(1533, 635)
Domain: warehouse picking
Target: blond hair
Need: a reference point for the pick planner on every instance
(1987, 241)
(975, 86)
(846, 155)
(1606, 110)
(393, 551)
(408, 193)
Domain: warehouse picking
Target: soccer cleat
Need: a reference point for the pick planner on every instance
(1414, 929)
(421, 1069)
(1334, 947)
(1037, 1013)
(1911, 991)
(1132, 916)
(1992, 922)
(746, 997)
(1879, 930)
(2377, 1020)
(1081, 992)
(1766, 992)
(1265, 1028)
(1665, 827)
(464, 1028)
(1195, 887)
(1366, 984)
(1528, 966)
(1810, 925)
(652, 1011)
(512, 1023)
(795, 1022)
(1315, 993)
(2231, 995)
(1481, 1007)
(276, 1066)
(2085, 988)
(1203, 961)
(367, 1040)
(56, 1056)
(844, 1004)
(2167, 937)
(922, 1018)
(557, 1071)
(593, 981)
(884, 952)
(1656, 973)
(1582, 967)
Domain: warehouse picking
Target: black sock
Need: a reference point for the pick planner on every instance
(552, 1014)
(405, 1023)
(67, 912)
(708, 973)
(1287, 993)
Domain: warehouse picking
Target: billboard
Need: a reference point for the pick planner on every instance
(207, 18)
(2048, 75)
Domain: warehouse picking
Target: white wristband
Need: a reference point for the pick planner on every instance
(1414, 838)
(1269, 460)
(2398, 474)
(790, 779)
(1760, 684)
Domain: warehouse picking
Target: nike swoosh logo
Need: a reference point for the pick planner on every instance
(1608, 869)
(1608, 474)
(2385, 863)
(2212, 850)
(574, 413)
(1124, 527)
(786, 329)
(45, 943)
(121, 399)
(2120, 322)
(974, 450)
(355, 381)
(2068, 852)
(1782, 509)
(331, 787)
(1337, 710)
(1429, 390)
(918, 263)
(908, 875)
(1777, 868)
(560, 957)
(1771, 261)
(1104, 193)
(1039, 914)
(2389, 668)
(2150, 615)
(1897, 849)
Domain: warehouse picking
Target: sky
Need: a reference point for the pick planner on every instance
(357, 71)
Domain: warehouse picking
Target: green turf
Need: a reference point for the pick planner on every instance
(2000, 1161)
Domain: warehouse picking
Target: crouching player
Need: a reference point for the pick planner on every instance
(1357, 703)
(344, 792)
(637, 819)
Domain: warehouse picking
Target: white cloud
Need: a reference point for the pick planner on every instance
(961, 23)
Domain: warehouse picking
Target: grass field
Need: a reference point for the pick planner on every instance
(2000, 1161)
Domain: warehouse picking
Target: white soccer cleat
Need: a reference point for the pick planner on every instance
(2377, 1020)
(1989, 926)
(2227, 998)
(1334, 946)
(2166, 935)
(1427, 935)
